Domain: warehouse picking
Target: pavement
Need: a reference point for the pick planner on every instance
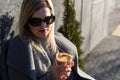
(103, 62)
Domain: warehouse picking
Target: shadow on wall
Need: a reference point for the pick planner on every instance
(6, 22)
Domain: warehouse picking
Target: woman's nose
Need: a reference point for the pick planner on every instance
(43, 24)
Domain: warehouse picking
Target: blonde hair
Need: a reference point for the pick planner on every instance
(27, 10)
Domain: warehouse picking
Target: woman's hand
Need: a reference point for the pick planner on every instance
(60, 71)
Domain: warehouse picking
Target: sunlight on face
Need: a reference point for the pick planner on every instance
(42, 30)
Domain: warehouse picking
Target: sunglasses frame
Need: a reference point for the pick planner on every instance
(38, 21)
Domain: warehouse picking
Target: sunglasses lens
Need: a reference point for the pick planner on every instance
(49, 20)
(37, 21)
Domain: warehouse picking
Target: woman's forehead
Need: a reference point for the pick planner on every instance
(44, 11)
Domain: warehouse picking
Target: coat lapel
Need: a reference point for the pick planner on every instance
(20, 57)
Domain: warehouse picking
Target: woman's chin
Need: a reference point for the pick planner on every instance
(43, 36)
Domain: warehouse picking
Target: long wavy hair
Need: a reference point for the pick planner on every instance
(27, 9)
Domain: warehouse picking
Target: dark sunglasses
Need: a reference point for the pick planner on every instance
(38, 21)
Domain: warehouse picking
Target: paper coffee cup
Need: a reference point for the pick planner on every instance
(63, 57)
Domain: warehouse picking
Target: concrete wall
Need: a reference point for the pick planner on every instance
(93, 16)
(59, 8)
(117, 3)
(94, 20)
(9, 13)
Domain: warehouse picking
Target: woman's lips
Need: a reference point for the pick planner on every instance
(42, 30)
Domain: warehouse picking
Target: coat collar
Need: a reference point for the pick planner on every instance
(20, 57)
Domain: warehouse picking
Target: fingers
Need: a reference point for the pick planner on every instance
(63, 69)
(63, 77)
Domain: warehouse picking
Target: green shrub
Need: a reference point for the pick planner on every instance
(71, 28)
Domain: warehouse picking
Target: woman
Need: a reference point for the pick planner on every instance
(31, 54)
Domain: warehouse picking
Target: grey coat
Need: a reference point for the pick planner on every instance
(14, 65)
